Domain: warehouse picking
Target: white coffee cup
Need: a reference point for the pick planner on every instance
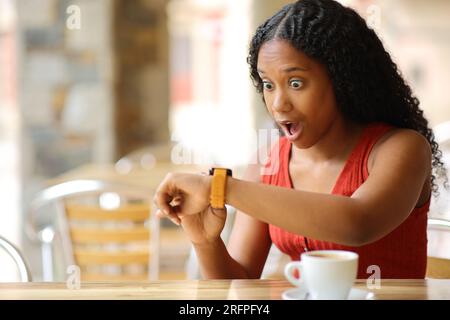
(326, 274)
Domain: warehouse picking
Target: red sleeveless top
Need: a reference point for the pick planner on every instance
(402, 254)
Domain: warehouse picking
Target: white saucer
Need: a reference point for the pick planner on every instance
(302, 294)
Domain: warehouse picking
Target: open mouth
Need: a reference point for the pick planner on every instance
(291, 129)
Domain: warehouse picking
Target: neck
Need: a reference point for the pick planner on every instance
(334, 145)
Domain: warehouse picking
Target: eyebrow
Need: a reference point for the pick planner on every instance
(287, 70)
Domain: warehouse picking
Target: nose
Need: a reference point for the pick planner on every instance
(281, 102)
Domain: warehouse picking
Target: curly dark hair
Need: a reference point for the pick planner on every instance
(368, 85)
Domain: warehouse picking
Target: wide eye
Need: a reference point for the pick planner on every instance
(267, 85)
(296, 84)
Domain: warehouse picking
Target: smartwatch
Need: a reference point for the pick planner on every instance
(218, 186)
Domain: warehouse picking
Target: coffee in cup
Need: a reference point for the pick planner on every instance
(326, 274)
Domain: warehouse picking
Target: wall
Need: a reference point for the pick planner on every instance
(142, 84)
(416, 34)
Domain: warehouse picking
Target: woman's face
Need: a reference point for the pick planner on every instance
(298, 92)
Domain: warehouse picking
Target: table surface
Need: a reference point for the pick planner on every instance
(429, 289)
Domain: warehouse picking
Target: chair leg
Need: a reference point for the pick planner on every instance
(47, 262)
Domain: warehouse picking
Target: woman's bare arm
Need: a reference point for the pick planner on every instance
(401, 168)
(399, 173)
(250, 241)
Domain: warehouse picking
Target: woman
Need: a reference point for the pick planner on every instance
(354, 167)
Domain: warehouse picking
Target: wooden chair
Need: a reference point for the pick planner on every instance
(438, 261)
(438, 268)
(18, 258)
(438, 264)
(106, 229)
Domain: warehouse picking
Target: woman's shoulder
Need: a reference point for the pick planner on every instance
(387, 136)
(403, 138)
(406, 142)
(409, 151)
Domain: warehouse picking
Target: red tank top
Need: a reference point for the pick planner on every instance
(401, 254)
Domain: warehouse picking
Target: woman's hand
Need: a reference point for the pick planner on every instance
(182, 194)
(184, 199)
(204, 227)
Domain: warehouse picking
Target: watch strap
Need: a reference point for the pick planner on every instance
(218, 187)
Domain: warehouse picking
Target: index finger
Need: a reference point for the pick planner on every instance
(162, 200)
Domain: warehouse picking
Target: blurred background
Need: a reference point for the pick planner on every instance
(100, 82)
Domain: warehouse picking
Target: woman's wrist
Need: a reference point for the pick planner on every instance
(207, 183)
(207, 243)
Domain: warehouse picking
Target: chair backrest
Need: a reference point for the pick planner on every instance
(440, 205)
(442, 132)
(19, 260)
(438, 261)
(438, 264)
(438, 268)
(107, 229)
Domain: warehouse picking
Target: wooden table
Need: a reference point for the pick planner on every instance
(211, 290)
